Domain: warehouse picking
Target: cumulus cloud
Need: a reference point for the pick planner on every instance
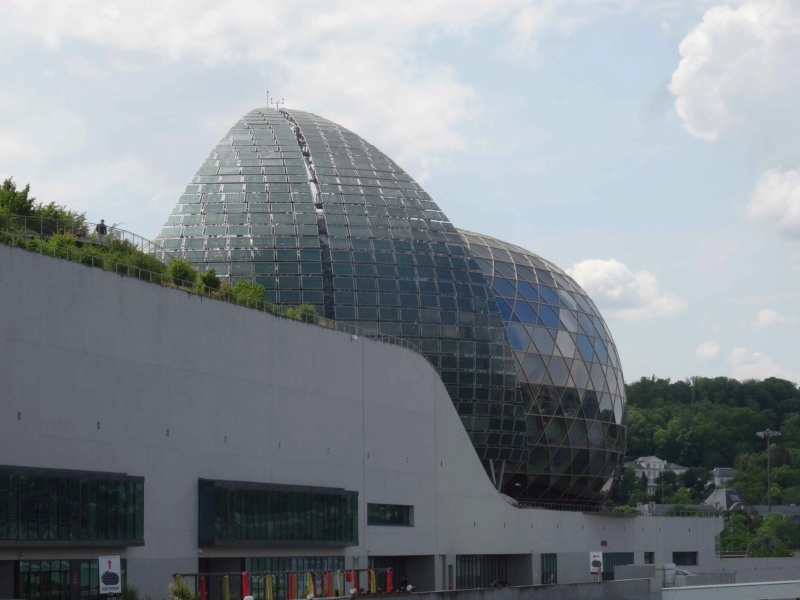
(738, 72)
(766, 318)
(361, 63)
(755, 365)
(775, 202)
(624, 293)
(708, 350)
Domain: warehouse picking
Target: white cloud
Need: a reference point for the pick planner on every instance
(708, 350)
(738, 72)
(624, 293)
(775, 201)
(755, 365)
(766, 318)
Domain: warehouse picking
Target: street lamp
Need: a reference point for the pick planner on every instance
(768, 433)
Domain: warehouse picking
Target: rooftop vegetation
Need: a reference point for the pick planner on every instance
(54, 230)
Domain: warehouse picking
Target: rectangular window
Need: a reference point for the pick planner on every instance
(615, 559)
(243, 513)
(649, 558)
(549, 568)
(480, 571)
(684, 559)
(44, 506)
(390, 514)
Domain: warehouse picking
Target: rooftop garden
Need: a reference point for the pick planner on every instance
(54, 230)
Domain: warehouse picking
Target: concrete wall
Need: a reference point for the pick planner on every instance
(640, 589)
(112, 374)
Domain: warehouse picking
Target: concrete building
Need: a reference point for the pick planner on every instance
(186, 434)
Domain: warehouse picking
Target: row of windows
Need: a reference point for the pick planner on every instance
(390, 514)
(44, 506)
(248, 512)
(52, 579)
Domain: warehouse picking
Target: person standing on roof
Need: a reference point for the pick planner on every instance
(101, 231)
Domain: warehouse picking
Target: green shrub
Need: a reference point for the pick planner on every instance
(209, 281)
(182, 273)
(248, 293)
(304, 312)
(181, 591)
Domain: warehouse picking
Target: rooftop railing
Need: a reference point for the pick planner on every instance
(83, 231)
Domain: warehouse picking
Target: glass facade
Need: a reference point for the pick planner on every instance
(42, 506)
(390, 514)
(239, 513)
(480, 571)
(318, 215)
(549, 568)
(569, 376)
(51, 579)
(611, 560)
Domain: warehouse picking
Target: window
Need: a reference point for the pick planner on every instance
(615, 559)
(549, 568)
(479, 571)
(683, 559)
(649, 558)
(241, 513)
(390, 514)
(51, 579)
(45, 506)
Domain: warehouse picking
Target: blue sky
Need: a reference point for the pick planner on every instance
(651, 148)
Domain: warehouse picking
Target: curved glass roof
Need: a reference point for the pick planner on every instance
(569, 376)
(317, 215)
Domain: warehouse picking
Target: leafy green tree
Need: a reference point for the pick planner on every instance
(182, 273)
(250, 294)
(790, 431)
(736, 531)
(14, 201)
(682, 496)
(776, 536)
(210, 281)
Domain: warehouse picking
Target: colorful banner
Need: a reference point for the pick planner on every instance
(245, 584)
(267, 587)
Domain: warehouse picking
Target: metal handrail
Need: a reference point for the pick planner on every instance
(75, 255)
(82, 230)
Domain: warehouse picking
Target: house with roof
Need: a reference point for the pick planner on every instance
(652, 467)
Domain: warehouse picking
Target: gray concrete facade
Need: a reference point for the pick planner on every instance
(106, 373)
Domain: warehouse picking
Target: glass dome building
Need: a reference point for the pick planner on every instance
(318, 215)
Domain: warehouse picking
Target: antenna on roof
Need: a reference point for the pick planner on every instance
(267, 97)
(278, 103)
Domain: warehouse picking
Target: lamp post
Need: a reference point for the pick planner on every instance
(768, 433)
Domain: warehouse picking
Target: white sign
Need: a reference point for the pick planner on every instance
(595, 562)
(110, 575)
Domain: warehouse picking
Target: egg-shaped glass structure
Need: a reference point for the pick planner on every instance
(569, 376)
(317, 215)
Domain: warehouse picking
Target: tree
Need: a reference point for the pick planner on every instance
(16, 202)
(776, 536)
(682, 496)
(250, 294)
(209, 281)
(182, 273)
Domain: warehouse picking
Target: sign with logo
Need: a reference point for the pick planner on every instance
(110, 575)
(595, 562)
